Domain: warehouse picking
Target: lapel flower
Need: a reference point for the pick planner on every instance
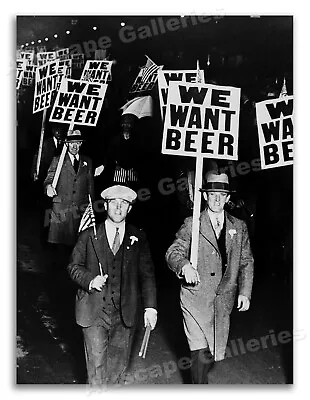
(232, 232)
(84, 164)
(133, 239)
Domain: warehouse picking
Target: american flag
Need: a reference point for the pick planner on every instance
(88, 218)
(149, 69)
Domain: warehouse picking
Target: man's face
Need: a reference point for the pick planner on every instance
(126, 126)
(57, 133)
(74, 147)
(216, 200)
(117, 209)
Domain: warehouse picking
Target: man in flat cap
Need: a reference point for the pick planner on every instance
(114, 271)
(70, 196)
(224, 267)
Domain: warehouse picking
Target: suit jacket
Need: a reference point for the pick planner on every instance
(210, 303)
(71, 200)
(137, 275)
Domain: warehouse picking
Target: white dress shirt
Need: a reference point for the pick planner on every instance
(110, 229)
(213, 217)
(72, 157)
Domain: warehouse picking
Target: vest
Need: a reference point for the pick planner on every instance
(111, 297)
(221, 242)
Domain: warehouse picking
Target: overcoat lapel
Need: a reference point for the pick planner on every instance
(98, 245)
(207, 231)
(229, 227)
(68, 164)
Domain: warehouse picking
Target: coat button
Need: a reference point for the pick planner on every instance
(112, 291)
(212, 273)
(104, 299)
(73, 192)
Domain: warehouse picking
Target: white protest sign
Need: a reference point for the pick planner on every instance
(68, 64)
(29, 75)
(166, 76)
(48, 79)
(43, 58)
(78, 102)
(63, 54)
(97, 71)
(28, 56)
(202, 119)
(20, 69)
(275, 131)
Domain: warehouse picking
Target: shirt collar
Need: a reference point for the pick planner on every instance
(72, 157)
(109, 225)
(213, 216)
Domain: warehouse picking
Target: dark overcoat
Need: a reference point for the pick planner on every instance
(71, 200)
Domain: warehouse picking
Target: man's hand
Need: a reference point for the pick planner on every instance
(243, 303)
(150, 317)
(50, 191)
(190, 274)
(98, 282)
(99, 170)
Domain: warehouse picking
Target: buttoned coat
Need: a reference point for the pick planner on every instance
(136, 280)
(71, 200)
(207, 306)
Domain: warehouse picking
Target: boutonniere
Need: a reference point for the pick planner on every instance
(84, 164)
(133, 239)
(232, 232)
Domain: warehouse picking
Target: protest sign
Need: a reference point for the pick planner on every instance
(48, 79)
(28, 56)
(166, 76)
(275, 131)
(202, 119)
(68, 64)
(20, 69)
(29, 75)
(63, 54)
(43, 58)
(97, 71)
(78, 102)
(77, 60)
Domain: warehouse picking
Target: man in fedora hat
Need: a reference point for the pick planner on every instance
(225, 266)
(70, 196)
(114, 271)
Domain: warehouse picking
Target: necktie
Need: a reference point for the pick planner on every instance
(76, 164)
(217, 227)
(116, 242)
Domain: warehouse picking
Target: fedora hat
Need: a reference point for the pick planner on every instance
(74, 136)
(216, 183)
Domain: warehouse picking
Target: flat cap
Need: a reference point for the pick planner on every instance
(119, 192)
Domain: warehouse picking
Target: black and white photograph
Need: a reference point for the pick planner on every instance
(154, 199)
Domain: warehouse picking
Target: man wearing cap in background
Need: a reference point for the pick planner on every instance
(225, 262)
(114, 270)
(70, 197)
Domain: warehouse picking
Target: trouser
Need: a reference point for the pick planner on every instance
(107, 351)
(202, 361)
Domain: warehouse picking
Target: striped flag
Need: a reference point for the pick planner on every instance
(88, 218)
(149, 69)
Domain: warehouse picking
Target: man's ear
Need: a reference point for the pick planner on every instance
(227, 199)
(105, 205)
(205, 195)
(129, 208)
